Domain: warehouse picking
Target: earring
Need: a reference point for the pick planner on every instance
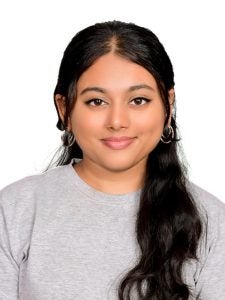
(68, 139)
(168, 135)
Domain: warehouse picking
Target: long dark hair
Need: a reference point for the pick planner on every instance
(168, 224)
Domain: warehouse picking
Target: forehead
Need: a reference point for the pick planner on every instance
(114, 71)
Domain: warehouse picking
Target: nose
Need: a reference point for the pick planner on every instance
(118, 117)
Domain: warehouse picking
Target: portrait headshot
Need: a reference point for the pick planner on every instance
(112, 152)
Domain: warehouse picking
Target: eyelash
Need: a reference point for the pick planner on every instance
(90, 102)
(140, 98)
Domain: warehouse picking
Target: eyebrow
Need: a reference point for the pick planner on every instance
(104, 91)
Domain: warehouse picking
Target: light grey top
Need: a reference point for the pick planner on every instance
(60, 239)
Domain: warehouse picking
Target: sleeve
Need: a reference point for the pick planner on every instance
(211, 280)
(9, 269)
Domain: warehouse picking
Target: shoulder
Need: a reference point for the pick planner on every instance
(23, 205)
(212, 212)
(208, 271)
(27, 187)
(206, 202)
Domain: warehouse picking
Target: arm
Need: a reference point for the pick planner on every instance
(9, 268)
(211, 280)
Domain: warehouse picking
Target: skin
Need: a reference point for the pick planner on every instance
(128, 105)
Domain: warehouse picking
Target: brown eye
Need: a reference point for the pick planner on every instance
(139, 101)
(95, 102)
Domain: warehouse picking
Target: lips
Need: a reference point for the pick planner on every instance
(117, 143)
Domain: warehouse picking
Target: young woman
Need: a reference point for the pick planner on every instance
(116, 218)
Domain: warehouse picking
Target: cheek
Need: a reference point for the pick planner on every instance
(84, 125)
(152, 123)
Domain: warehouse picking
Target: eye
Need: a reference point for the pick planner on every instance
(139, 101)
(95, 102)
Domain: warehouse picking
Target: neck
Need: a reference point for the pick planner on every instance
(111, 182)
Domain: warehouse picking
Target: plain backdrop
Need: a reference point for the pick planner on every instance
(33, 37)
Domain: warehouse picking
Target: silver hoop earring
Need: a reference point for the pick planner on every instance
(168, 135)
(68, 139)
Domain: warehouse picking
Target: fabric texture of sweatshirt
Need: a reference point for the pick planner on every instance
(60, 239)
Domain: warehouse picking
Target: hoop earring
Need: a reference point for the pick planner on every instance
(168, 135)
(68, 139)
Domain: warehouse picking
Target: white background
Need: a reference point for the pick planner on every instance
(33, 37)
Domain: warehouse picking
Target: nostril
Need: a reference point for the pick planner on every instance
(118, 119)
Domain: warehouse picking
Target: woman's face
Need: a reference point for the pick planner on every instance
(118, 117)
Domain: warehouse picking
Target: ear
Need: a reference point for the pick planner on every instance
(171, 94)
(60, 102)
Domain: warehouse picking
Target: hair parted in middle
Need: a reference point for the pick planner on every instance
(127, 40)
(168, 224)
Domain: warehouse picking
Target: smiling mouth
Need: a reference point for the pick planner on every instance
(117, 143)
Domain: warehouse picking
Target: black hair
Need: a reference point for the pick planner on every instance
(168, 224)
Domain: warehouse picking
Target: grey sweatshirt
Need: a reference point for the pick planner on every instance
(60, 239)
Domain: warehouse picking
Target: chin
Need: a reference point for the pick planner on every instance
(119, 165)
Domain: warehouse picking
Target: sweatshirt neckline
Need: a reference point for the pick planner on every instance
(92, 193)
